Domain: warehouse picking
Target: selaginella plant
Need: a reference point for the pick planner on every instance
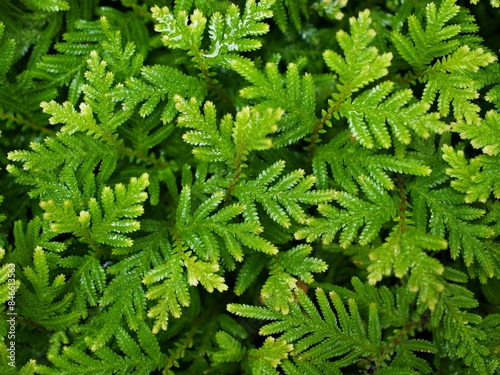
(249, 187)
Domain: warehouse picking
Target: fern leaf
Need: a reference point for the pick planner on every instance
(172, 293)
(368, 113)
(231, 349)
(228, 33)
(269, 355)
(7, 51)
(155, 85)
(486, 136)
(357, 213)
(294, 94)
(141, 356)
(476, 178)
(120, 207)
(49, 6)
(341, 151)
(465, 237)
(331, 9)
(399, 254)
(42, 302)
(362, 64)
(281, 200)
(198, 229)
(449, 76)
(234, 139)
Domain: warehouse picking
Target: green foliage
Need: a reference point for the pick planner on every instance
(333, 332)
(297, 98)
(443, 37)
(180, 177)
(227, 33)
(8, 48)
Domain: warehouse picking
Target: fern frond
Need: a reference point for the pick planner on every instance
(232, 141)
(294, 94)
(89, 273)
(485, 136)
(403, 253)
(368, 114)
(281, 200)
(198, 229)
(105, 221)
(48, 6)
(268, 357)
(441, 210)
(232, 351)
(228, 33)
(434, 41)
(155, 85)
(7, 52)
(396, 302)
(8, 284)
(449, 76)
(357, 213)
(250, 195)
(278, 290)
(477, 178)
(115, 309)
(96, 90)
(362, 64)
(59, 162)
(141, 354)
(171, 293)
(294, 10)
(461, 329)
(249, 272)
(331, 8)
(45, 303)
(347, 160)
(330, 338)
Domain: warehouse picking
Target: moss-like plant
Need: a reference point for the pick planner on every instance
(249, 187)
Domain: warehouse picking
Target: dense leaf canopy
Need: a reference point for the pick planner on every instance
(249, 187)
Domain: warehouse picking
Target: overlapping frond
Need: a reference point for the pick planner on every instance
(441, 211)
(155, 188)
(370, 214)
(332, 337)
(440, 57)
(233, 139)
(361, 63)
(44, 302)
(403, 253)
(347, 160)
(138, 353)
(290, 11)
(228, 34)
(291, 92)
(283, 199)
(105, 220)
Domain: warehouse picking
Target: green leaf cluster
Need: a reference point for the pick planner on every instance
(249, 187)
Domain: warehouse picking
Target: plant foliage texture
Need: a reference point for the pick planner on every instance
(249, 187)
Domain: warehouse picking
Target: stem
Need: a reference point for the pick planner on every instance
(344, 94)
(389, 348)
(236, 178)
(23, 122)
(402, 205)
(212, 86)
(186, 343)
